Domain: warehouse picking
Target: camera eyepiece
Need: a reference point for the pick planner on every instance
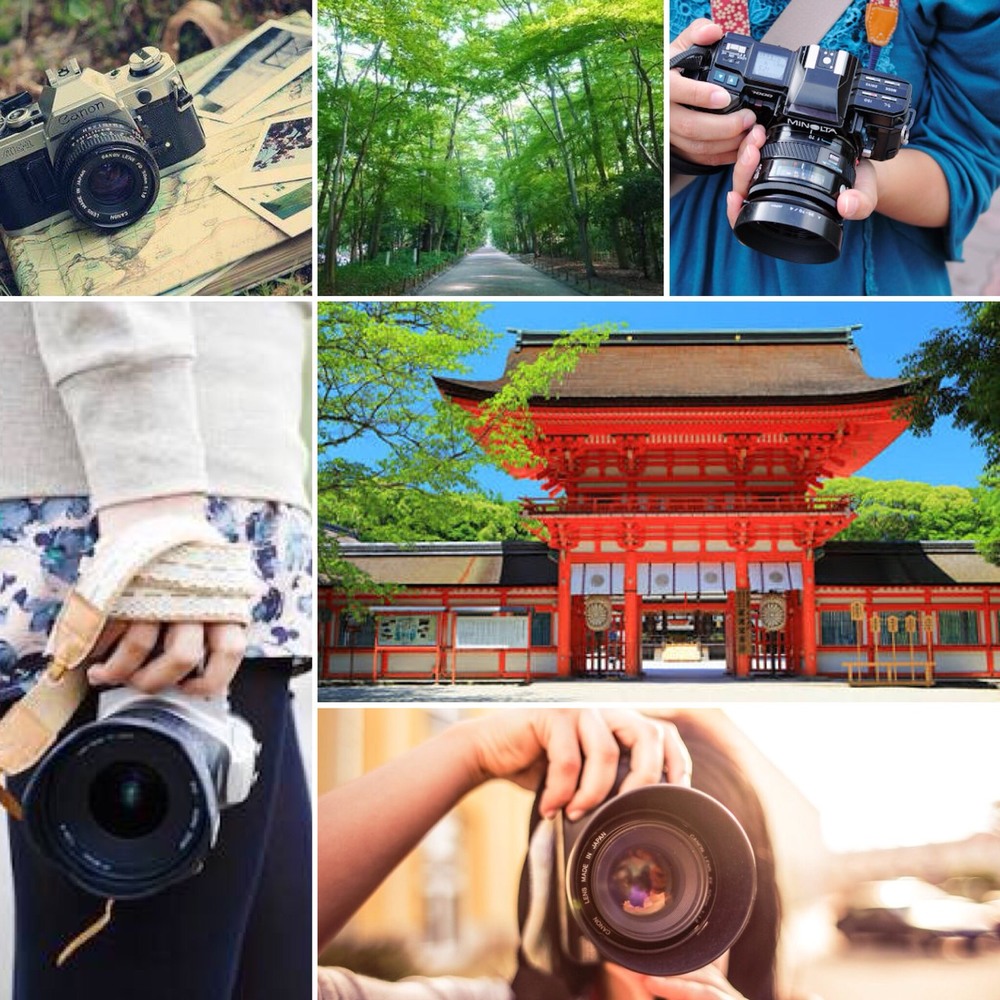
(660, 879)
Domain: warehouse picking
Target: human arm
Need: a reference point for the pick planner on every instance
(368, 826)
(125, 374)
(698, 136)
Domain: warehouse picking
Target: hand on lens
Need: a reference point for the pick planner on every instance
(708, 983)
(577, 751)
(201, 657)
(709, 139)
(856, 203)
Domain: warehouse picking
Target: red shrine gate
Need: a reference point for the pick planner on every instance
(683, 469)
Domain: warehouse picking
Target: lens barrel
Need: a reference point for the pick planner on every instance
(791, 208)
(661, 880)
(128, 805)
(108, 174)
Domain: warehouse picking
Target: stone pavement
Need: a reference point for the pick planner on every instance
(673, 691)
(487, 272)
(979, 274)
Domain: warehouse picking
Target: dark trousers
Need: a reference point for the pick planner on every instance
(239, 930)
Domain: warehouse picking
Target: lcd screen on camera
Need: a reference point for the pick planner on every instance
(769, 65)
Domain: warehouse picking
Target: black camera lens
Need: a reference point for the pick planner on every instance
(128, 805)
(791, 208)
(661, 880)
(107, 173)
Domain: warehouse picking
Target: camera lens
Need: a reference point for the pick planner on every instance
(108, 174)
(128, 805)
(129, 800)
(791, 208)
(661, 880)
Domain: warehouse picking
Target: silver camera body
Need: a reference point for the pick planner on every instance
(95, 145)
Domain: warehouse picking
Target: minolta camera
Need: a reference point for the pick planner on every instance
(822, 112)
(129, 804)
(95, 145)
(659, 879)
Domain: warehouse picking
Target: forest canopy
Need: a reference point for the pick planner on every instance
(531, 125)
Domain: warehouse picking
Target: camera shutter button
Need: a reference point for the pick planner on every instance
(144, 61)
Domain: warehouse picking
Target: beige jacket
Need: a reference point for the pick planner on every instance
(126, 400)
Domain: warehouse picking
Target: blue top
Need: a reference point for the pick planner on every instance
(948, 51)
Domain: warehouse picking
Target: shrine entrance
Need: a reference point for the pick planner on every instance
(604, 649)
(683, 636)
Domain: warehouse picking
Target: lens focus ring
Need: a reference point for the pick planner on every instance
(108, 174)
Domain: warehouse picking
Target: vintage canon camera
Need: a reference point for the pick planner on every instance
(130, 803)
(660, 880)
(822, 112)
(95, 145)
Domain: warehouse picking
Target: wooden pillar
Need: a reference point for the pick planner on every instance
(809, 661)
(742, 583)
(564, 617)
(633, 619)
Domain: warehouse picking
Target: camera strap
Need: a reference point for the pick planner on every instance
(165, 569)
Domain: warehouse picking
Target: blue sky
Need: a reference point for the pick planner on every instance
(889, 330)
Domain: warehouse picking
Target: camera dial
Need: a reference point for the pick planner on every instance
(145, 61)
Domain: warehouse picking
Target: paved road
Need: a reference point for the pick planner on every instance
(486, 272)
(979, 274)
(674, 691)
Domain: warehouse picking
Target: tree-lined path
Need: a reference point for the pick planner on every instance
(488, 272)
(532, 126)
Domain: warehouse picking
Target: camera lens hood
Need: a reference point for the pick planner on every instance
(661, 879)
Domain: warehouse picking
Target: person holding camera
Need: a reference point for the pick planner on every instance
(122, 419)
(575, 759)
(903, 217)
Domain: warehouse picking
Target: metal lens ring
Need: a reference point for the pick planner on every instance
(651, 882)
(108, 174)
(661, 880)
(791, 207)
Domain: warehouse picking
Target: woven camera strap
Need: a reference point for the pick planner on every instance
(167, 570)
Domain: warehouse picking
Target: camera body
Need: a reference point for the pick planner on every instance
(660, 879)
(823, 112)
(94, 145)
(129, 804)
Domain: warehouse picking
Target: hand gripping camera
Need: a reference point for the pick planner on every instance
(95, 145)
(129, 804)
(822, 112)
(659, 879)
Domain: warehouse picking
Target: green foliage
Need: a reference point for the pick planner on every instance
(898, 510)
(443, 125)
(397, 461)
(957, 370)
(378, 278)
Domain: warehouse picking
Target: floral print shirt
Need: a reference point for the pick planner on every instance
(43, 540)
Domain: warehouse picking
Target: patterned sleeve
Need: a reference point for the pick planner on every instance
(960, 126)
(125, 374)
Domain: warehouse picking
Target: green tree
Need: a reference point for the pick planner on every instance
(957, 374)
(397, 462)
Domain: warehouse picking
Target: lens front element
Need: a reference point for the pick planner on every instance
(128, 799)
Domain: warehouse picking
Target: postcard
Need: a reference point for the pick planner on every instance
(265, 60)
